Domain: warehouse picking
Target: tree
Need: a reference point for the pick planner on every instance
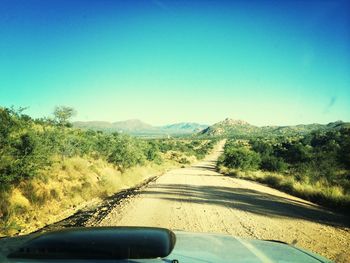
(62, 115)
(7, 124)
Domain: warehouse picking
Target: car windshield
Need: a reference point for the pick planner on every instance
(219, 117)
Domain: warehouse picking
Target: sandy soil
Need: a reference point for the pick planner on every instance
(198, 199)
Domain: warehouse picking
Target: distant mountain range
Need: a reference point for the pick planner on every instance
(230, 127)
(184, 127)
(137, 127)
(227, 127)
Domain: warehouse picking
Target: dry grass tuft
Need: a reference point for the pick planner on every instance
(59, 191)
(320, 192)
(18, 200)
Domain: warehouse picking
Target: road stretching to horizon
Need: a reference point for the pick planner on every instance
(199, 199)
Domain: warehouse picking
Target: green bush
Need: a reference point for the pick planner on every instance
(126, 153)
(320, 158)
(273, 164)
(241, 158)
(27, 145)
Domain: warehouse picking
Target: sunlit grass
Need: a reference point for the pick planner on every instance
(320, 192)
(60, 190)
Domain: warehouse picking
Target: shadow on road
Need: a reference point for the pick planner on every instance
(244, 199)
(209, 165)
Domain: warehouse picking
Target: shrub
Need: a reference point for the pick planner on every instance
(242, 158)
(126, 154)
(273, 163)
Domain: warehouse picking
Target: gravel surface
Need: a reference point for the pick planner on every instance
(198, 199)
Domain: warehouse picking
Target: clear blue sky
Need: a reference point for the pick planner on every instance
(161, 61)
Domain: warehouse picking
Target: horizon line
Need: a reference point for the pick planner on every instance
(194, 122)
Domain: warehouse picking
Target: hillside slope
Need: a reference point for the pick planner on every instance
(130, 126)
(137, 127)
(230, 127)
(183, 127)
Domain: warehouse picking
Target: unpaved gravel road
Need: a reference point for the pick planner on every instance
(198, 199)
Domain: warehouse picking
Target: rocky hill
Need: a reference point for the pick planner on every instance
(230, 127)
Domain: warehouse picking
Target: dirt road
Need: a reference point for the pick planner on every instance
(199, 199)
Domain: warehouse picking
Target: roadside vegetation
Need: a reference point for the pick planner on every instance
(49, 169)
(315, 166)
